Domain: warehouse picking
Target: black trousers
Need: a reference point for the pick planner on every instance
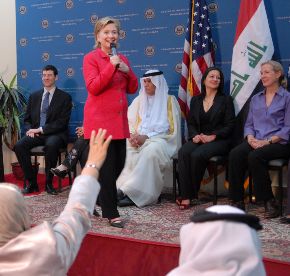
(192, 163)
(79, 152)
(109, 173)
(243, 158)
(52, 145)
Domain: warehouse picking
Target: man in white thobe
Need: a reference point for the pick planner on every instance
(154, 121)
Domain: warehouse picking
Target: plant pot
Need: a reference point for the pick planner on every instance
(18, 172)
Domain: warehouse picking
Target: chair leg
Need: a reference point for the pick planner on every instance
(174, 179)
(69, 178)
(59, 180)
(280, 181)
(215, 184)
(35, 167)
(250, 188)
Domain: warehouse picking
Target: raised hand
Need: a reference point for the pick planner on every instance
(98, 148)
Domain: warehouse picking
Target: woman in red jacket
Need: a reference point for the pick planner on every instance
(108, 77)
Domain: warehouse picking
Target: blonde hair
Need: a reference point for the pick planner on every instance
(103, 22)
(277, 67)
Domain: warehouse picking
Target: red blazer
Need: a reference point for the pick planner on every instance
(106, 105)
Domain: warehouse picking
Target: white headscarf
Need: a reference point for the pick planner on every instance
(158, 120)
(14, 218)
(220, 247)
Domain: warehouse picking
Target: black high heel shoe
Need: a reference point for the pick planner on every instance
(59, 173)
(285, 220)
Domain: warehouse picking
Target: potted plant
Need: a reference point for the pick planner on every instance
(12, 108)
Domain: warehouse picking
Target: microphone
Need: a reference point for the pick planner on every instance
(113, 48)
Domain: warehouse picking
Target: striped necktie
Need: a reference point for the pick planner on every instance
(44, 108)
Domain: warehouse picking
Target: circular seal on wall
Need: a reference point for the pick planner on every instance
(94, 19)
(150, 51)
(122, 34)
(179, 30)
(23, 41)
(45, 56)
(44, 23)
(70, 72)
(69, 38)
(212, 7)
(23, 74)
(22, 10)
(149, 14)
(69, 4)
(178, 68)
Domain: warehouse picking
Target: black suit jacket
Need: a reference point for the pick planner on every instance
(58, 114)
(222, 116)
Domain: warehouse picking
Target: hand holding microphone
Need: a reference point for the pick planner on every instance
(116, 61)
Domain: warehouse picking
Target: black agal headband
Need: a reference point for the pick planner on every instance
(152, 74)
(205, 216)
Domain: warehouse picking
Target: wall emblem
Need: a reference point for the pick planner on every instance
(213, 7)
(70, 72)
(69, 38)
(178, 68)
(94, 19)
(22, 10)
(69, 4)
(23, 74)
(179, 30)
(45, 56)
(122, 34)
(44, 23)
(149, 14)
(23, 41)
(150, 51)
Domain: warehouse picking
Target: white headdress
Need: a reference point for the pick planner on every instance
(14, 218)
(221, 241)
(157, 122)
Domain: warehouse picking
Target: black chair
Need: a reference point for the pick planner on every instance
(215, 162)
(273, 165)
(39, 151)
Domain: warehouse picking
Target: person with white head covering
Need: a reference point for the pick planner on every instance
(154, 121)
(209, 244)
(49, 249)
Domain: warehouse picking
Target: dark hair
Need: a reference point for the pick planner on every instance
(50, 68)
(220, 89)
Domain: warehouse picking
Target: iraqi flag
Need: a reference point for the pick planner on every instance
(253, 45)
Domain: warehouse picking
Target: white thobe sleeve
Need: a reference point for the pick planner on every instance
(74, 222)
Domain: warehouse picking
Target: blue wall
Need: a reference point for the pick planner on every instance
(61, 32)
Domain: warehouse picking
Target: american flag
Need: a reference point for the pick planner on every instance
(198, 53)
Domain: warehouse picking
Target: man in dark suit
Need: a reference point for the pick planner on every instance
(46, 124)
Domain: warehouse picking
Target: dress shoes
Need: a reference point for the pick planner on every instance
(59, 173)
(285, 220)
(50, 190)
(96, 213)
(118, 223)
(271, 209)
(30, 188)
(126, 201)
(120, 194)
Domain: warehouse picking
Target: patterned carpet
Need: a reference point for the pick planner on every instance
(161, 222)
